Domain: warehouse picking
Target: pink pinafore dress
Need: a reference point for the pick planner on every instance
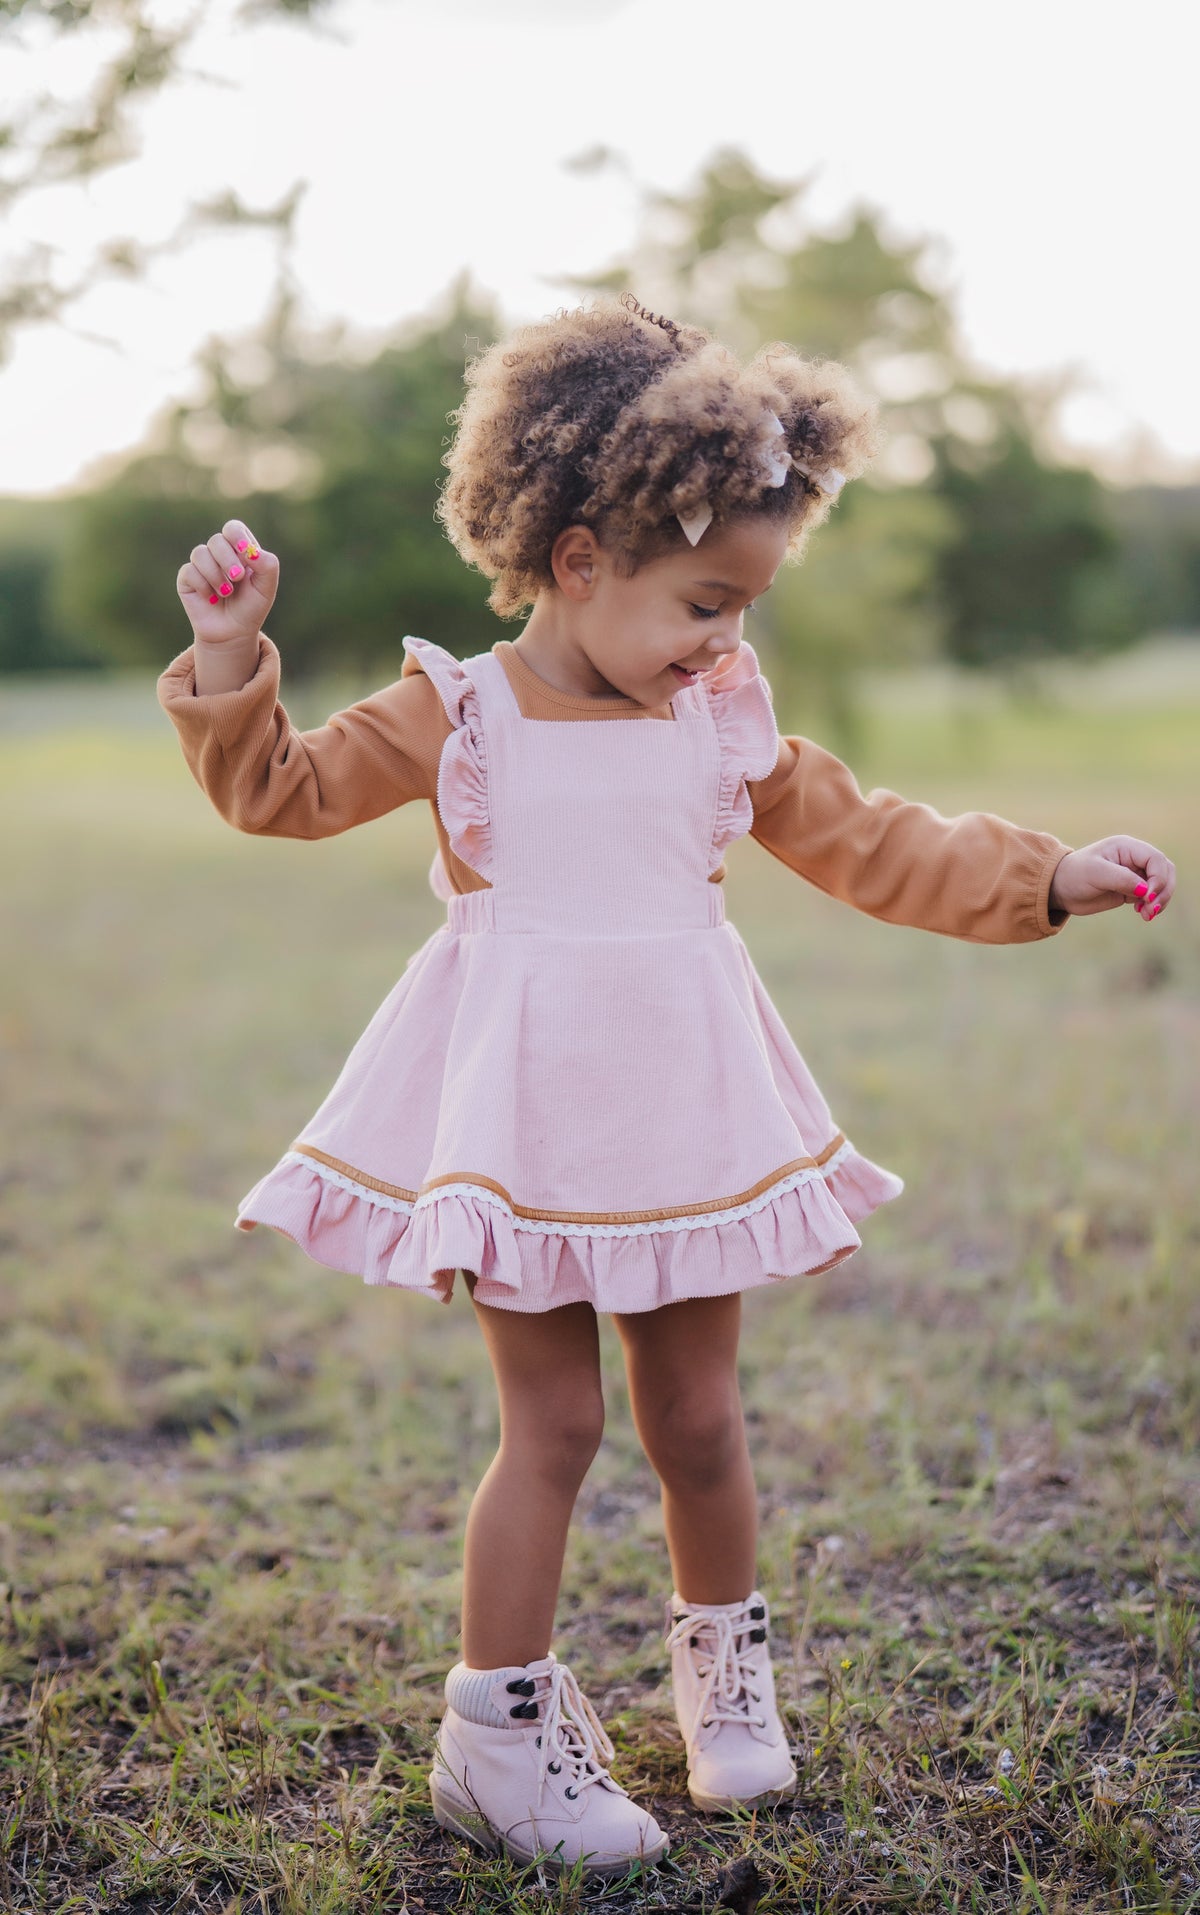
(579, 1089)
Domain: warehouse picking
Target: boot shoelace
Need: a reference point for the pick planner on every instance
(725, 1692)
(572, 1734)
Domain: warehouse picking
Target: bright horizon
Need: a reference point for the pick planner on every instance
(1043, 155)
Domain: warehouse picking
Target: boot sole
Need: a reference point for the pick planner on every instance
(718, 1803)
(464, 1819)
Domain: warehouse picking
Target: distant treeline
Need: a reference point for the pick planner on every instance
(1011, 561)
(976, 546)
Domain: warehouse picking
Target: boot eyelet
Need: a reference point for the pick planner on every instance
(553, 1767)
(538, 1740)
(569, 1792)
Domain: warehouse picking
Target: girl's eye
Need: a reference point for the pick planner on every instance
(703, 611)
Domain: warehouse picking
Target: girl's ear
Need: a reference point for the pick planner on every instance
(573, 560)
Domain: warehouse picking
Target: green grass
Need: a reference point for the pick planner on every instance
(233, 1483)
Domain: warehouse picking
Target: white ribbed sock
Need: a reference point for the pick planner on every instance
(710, 1608)
(468, 1691)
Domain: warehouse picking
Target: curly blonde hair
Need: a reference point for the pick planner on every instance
(615, 418)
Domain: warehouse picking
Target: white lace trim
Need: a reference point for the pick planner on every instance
(544, 1227)
(844, 1150)
(331, 1176)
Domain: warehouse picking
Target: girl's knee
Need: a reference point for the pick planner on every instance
(560, 1436)
(692, 1439)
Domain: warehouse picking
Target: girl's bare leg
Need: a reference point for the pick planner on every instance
(681, 1362)
(547, 1369)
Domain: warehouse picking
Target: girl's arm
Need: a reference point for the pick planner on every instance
(975, 876)
(266, 777)
(222, 695)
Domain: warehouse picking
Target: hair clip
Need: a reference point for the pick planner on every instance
(696, 523)
(775, 462)
(775, 471)
(830, 483)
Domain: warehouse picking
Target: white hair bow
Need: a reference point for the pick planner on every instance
(775, 471)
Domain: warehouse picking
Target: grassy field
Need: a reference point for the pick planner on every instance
(234, 1483)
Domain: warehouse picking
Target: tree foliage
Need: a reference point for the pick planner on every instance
(965, 539)
(56, 140)
(332, 462)
(1035, 566)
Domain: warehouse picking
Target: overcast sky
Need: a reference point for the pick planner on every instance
(1044, 148)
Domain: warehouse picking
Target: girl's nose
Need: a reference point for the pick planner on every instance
(720, 643)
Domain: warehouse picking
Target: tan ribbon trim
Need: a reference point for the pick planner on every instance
(574, 1216)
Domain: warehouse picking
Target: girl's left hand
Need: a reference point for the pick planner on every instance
(1114, 871)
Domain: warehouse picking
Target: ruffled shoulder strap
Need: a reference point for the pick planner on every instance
(739, 699)
(449, 674)
(462, 789)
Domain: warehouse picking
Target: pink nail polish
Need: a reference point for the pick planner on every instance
(235, 571)
(242, 544)
(213, 599)
(224, 589)
(1156, 910)
(1141, 890)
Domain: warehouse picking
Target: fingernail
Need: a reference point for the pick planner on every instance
(253, 552)
(1141, 890)
(213, 599)
(1151, 896)
(242, 544)
(235, 571)
(224, 589)
(1156, 910)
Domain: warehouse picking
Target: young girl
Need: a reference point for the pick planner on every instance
(579, 1092)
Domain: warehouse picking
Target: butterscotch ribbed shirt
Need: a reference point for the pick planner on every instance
(975, 876)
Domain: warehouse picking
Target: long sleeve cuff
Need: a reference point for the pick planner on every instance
(220, 715)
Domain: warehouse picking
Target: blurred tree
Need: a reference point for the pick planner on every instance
(861, 597)
(1159, 530)
(30, 637)
(333, 462)
(962, 538)
(33, 634)
(736, 254)
(1035, 569)
(55, 140)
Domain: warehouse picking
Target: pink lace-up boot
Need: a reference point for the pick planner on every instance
(725, 1701)
(521, 1764)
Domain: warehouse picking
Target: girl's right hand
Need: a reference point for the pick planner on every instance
(228, 586)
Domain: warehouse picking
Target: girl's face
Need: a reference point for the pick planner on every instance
(647, 636)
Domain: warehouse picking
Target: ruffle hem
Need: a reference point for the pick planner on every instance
(801, 1226)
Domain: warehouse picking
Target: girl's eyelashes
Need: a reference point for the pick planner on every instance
(706, 611)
